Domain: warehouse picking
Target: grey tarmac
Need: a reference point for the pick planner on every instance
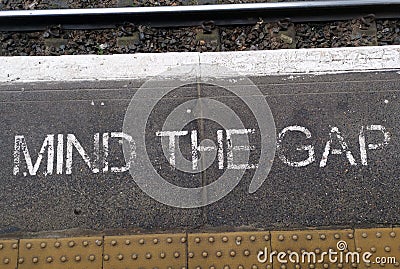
(337, 194)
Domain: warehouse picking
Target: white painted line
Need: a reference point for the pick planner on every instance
(307, 61)
(246, 63)
(90, 67)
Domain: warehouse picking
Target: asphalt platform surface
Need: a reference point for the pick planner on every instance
(340, 193)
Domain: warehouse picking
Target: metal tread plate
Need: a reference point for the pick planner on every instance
(77, 253)
(166, 251)
(349, 248)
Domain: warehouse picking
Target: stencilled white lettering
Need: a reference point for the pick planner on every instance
(64, 150)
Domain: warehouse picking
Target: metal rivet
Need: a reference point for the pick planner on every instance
(211, 239)
(155, 240)
(43, 245)
(177, 254)
(326, 266)
(392, 234)
(197, 240)
(266, 238)
(219, 253)
(232, 253)
(225, 239)
(295, 237)
(21, 260)
(238, 238)
(252, 238)
(198, 267)
(35, 259)
(387, 249)
(350, 235)
(183, 239)
(312, 266)
(92, 258)
(373, 249)
(6, 261)
(1, 246)
(113, 243)
(246, 252)
(254, 266)
(148, 256)
(378, 235)
(364, 235)
(63, 259)
(240, 267)
(322, 236)
(120, 257)
(212, 267)
(281, 237)
(29, 245)
(85, 243)
(98, 242)
(49, 259)
(71, 244)
(358, 250)
(226, 267)
(317, 251)
(269, 266)
(337, 236)
(309, 236)
(77, 258)
(106, 257)
(141, 241)
(191, 254)
(162, 255)
(340, 265)
(204, 254)
(297, 266)
(57, 244)
(134, 256)
(169, 240)
(283, 266)
(354, 265)
(14, 246)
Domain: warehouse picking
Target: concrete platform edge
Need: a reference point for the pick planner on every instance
(247, 63)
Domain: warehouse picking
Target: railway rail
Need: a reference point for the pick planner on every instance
(306, 24)
(206, 15)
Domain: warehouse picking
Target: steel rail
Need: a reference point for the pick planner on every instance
(171, 16)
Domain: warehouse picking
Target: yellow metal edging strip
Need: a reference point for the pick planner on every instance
(77, 253)
(383, 244)
(145, 251)
(227, 250)
(306, 248)
(297, 249)
(8, 254)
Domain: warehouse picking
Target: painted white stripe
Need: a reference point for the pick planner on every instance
(247, 63)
